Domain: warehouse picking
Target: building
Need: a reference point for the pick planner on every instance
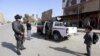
(82, 12)
(2, 19)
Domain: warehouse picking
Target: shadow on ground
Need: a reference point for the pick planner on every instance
(39, 36)
(9, 46)
(67, 51)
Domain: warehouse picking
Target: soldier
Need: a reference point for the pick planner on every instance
(19, 29)
(28, 25)
(46, 31)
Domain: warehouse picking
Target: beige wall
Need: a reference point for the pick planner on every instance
(91, 6)
(83, 7)
(71, 10)
(2, 20)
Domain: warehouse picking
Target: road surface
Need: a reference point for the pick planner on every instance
(37, 46)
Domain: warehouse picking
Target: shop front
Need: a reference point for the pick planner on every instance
(84, 19)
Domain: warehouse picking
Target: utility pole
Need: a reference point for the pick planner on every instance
(99, 16)
(78, 14)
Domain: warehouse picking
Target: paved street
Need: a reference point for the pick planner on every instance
(37, 46)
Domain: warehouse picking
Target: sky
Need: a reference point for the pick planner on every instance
(12, 7)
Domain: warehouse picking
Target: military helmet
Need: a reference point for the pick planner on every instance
(18, 16)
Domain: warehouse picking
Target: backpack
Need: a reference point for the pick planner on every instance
(95, 38)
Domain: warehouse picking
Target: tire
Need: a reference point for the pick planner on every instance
(39, 32)
(56, 37)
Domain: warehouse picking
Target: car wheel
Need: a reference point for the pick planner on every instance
(38, 32)
(56, 37)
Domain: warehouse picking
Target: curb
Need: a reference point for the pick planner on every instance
(84, 31)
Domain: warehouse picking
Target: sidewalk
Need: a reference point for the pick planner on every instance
(82, 30)
(3, 25)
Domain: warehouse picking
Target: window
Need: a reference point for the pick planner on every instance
(59, 24)
(83, 0)
(67, 3)
(73, 2)
(78, 1)
(63, 1)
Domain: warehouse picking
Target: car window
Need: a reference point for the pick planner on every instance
(39, 24)
(70, 24)
(59, 24)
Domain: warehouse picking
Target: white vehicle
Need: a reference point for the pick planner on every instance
(58, 30)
